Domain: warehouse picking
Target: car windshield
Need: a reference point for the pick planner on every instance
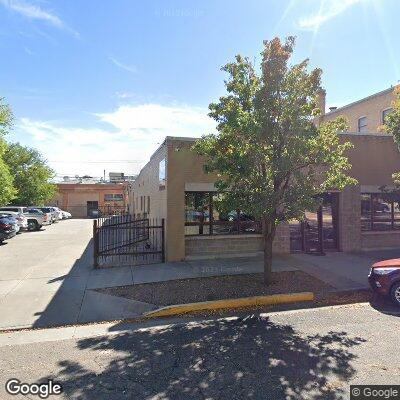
(34, 211)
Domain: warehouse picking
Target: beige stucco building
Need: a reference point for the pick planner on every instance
(173, 186)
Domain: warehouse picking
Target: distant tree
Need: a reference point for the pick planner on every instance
(392, 126)
(7, 190)
(271, 158)
(31, 175)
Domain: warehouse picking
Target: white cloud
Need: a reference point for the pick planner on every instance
(36, 13)
(124, 95)
(126, 67)
(134, 134)
(328, 9)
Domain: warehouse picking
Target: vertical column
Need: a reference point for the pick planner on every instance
(350, 219)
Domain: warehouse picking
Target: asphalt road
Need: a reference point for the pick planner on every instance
(302, 354)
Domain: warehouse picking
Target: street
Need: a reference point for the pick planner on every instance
(303, 354)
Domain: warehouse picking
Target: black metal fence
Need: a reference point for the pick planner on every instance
(122, 239)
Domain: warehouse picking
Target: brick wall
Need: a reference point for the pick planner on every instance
(214, 246)
(380, 239)
(370, 107)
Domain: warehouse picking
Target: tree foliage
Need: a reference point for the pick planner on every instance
(31, 175)
(7, 190)
(271, 157)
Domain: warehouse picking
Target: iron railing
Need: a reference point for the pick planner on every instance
(123, 239)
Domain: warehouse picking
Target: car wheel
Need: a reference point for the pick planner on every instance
(33, 225)
(395, 293)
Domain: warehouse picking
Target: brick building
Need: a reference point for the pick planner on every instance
(87, 199)
(173, 186)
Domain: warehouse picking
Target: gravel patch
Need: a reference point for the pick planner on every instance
(220, 287)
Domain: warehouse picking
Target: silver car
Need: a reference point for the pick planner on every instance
(21, 219)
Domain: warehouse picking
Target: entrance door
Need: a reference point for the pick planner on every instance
(319, 231)
(92, 208)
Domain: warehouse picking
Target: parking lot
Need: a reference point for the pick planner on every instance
(42, 274)
(47, 279)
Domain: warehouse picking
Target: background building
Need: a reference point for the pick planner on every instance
(366, 115)
(88, 199)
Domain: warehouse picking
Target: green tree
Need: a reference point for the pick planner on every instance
(271, 158)
(7, 190)
(31, 175)
(392, 126)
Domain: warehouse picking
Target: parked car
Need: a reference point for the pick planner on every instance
(51, 213)
(58, 213)
(384, 279)
(66, 214)
(13, 221)
(36, 219)
(21, 219)
(18, 209)
(7, 228)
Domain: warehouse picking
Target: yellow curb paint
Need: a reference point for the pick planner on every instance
(231, 303)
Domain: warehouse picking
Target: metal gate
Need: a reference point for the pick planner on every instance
(124, 240)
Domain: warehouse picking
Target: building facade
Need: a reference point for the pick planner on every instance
(174, 186)
(366, 115)
(89, 199)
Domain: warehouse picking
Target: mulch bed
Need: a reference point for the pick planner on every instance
(220, 287)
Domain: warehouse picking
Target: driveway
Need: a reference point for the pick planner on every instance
(47, 279)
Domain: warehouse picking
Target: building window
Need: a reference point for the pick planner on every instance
(380, 211)
(362, 124)
(113, 197)
(385, 113)
(148, 204)
(162, 174)
(204, 216)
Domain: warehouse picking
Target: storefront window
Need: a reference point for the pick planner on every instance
(380, 211)
(204, 216)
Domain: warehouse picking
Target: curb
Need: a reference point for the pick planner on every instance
(178, 309)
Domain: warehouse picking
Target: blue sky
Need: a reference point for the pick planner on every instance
(97, 85)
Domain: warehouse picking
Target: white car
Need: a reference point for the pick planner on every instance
(58, 212)
(66, 214)
(21, 219)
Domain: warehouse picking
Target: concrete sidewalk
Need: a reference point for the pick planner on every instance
(343, 271)
(47, 278)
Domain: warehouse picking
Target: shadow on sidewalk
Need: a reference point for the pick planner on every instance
(239, 358)
(64, 307)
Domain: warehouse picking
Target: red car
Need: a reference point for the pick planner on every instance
(384, 278)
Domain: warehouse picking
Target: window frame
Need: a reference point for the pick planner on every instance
(382, 114)
(372, 221)
(364, 126)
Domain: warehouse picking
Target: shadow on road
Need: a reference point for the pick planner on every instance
(248, 357)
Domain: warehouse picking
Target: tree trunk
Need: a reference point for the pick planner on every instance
(269, 235)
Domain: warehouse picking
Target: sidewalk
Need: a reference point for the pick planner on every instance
(59, 294)
(72, 298)
(343, 271)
